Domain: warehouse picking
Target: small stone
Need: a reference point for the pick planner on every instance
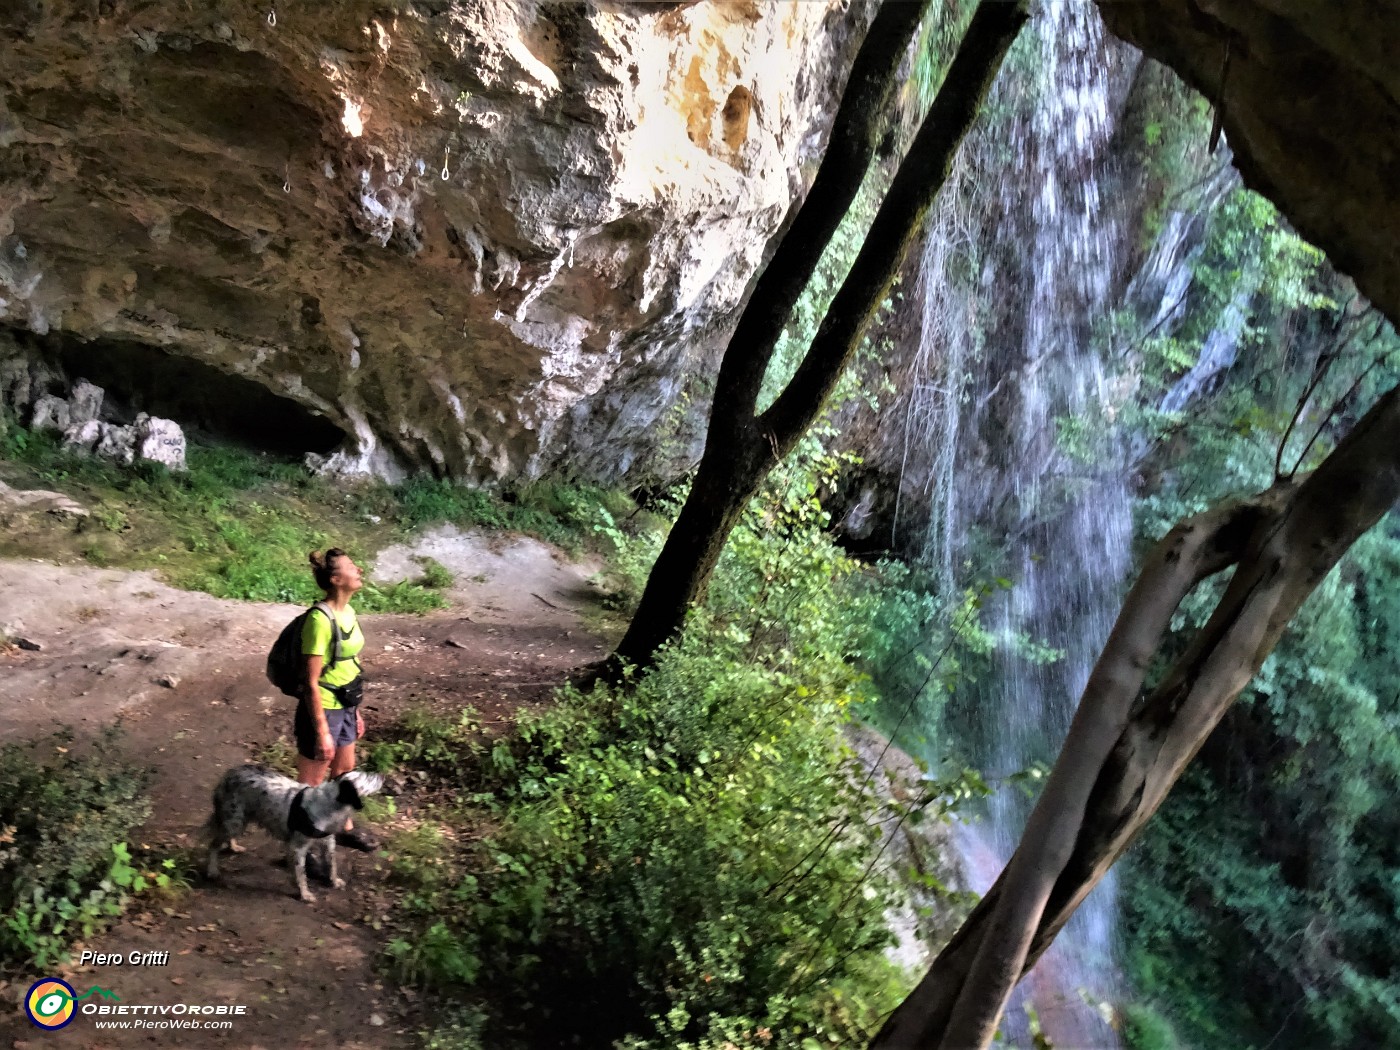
(455, 644)
(170, 681)
(377, 1020)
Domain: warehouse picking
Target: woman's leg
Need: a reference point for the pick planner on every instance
(343, 762)
(344, 759)
(312, 771)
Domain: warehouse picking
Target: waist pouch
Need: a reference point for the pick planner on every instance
(350, 694)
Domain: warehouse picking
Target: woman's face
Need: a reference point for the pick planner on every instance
(346, 574)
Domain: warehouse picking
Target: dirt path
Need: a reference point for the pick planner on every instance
(183, 674)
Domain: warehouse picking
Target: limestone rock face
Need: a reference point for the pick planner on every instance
(487, 238)
(1309, 98)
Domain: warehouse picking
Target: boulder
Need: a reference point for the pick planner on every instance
(160, 441)
(85, 436)
(116, 442)
(50, 413)
(84, 403)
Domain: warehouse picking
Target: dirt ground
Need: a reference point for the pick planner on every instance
(183, 674)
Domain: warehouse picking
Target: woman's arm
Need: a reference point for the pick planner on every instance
(311, 697)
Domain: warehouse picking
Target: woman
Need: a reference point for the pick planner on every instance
(328, 719)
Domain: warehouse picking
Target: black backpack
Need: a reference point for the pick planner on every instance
(286, 664)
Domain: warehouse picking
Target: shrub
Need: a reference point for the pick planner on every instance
(436, 576)
(426, 741)
(65, 868)
(1145, 1029)
(687, 860)
(693, 848)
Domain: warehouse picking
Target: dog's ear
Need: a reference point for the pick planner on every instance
(349, 793)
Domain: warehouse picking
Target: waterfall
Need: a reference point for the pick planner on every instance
(1052, 252)
(1068, 568)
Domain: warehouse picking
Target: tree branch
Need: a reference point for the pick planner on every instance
(855, 133)
(1193, 550)
(1120, 759)
(900, 219)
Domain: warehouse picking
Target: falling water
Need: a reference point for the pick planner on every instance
(1069, 567)
(1067, 534)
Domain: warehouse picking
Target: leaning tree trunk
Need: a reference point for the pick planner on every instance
(1126, 748)
(742, 446)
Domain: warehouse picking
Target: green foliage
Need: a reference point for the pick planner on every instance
(686, 860)
(436, 575)
(555, 512)
(1146, 1029)
(1272, 867)
(427, 741)
(426, 500)
(65, 868)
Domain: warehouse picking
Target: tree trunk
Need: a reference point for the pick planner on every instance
(1125, 749)
(741, 446)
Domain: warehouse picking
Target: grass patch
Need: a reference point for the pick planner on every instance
(436, 576)
(565, 515)
(281, 756)
(238, 524)
(427, 742)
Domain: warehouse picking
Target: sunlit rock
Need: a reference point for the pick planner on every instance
(487, 239)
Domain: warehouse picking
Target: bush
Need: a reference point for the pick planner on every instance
(1145, 1029)
(436, 576)
(687, 860)
(65, 868)
(692, 849)
(426, 741)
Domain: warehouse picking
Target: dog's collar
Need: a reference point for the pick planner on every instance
(299, 820)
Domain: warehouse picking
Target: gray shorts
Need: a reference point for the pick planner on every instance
(341, 723)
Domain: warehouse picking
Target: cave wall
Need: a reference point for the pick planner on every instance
(490, 240)
(1308, 97)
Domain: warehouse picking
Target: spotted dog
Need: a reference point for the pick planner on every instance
(292, 812)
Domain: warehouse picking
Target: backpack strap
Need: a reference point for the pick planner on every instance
(335, 637)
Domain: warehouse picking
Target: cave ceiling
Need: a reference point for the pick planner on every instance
(1308, 97)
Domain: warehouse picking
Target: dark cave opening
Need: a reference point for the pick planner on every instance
(208, 403)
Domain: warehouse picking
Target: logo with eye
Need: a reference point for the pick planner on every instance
(49, 1003)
